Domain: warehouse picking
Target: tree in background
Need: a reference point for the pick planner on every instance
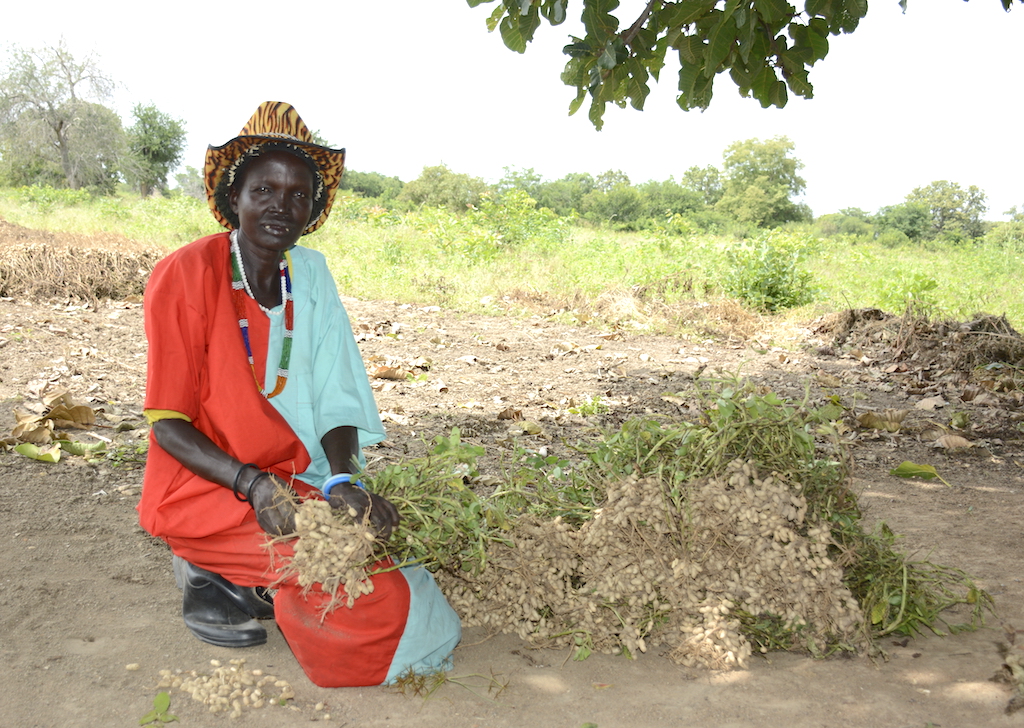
(613, 201)
(190, 183)
(954, 213)
(851, 221)
(516, 178)
(565, 195)
(665, 199)
(52, 101)
(621, 207)
(706, 181)
(27, 157)
(95, 149)
(760, 181)
(439, 186)
(372, 184)
(156, 142)
(908, 218)
(609, 180)
(1009, 233)
(767, 46)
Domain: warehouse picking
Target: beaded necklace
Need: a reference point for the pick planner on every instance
(239, 289)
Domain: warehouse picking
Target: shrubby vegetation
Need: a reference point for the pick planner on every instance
(58, 134)
(766, 272)
(757, 187)
(739, 230)
(509, 253)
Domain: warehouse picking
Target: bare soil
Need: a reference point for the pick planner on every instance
(85, 592)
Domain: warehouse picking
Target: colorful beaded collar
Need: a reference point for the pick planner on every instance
(239, 289)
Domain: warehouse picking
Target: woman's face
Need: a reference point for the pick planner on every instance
(273, 201)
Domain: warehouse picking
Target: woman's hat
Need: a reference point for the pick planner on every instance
(275, 125)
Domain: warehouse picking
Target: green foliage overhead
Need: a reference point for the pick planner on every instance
(155, 144)
(766, 46)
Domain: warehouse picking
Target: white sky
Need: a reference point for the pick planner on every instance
(402, 84)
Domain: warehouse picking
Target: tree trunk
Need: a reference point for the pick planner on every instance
(65, 155)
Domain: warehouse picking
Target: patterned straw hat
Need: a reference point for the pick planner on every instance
(275, 125)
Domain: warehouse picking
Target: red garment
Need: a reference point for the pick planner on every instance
(198, 366)
(351, 646)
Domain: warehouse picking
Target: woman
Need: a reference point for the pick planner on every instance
(255, 383)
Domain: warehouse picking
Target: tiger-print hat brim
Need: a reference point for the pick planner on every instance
(277, 123)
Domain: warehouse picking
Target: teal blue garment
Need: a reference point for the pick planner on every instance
(327, 384)
(432, 629)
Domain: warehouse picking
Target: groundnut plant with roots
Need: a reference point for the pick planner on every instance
(708, 540)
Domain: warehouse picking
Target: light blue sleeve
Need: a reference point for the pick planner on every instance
(327, 382)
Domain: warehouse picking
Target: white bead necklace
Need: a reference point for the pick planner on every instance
(237, 252)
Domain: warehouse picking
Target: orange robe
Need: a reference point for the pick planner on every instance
(198, 366)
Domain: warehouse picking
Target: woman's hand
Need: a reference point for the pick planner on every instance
(274, 503)
(383, 515)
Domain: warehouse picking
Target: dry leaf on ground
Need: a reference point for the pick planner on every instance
(953, 442)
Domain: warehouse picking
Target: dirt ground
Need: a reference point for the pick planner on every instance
(87, 593)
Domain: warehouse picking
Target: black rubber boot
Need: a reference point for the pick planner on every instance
(255, 601)
(217, 611)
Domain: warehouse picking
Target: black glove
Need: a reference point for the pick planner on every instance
(275, 504)
(383, 514)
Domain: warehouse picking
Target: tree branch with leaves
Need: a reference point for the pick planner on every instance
(766, 46)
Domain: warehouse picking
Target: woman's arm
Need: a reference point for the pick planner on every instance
(197, 452)
(270, 498)
(342, 447)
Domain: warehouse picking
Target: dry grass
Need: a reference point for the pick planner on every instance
(43, 265)
(637, 309)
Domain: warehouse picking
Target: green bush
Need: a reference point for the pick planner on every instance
(909, 291)
(365, 209)
(912, 218)
(765, 273)
(494, 225)
(515, 218)
(839, 224)
(1006, 235)
(892, 238)
(45, 198)
(456, 235)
